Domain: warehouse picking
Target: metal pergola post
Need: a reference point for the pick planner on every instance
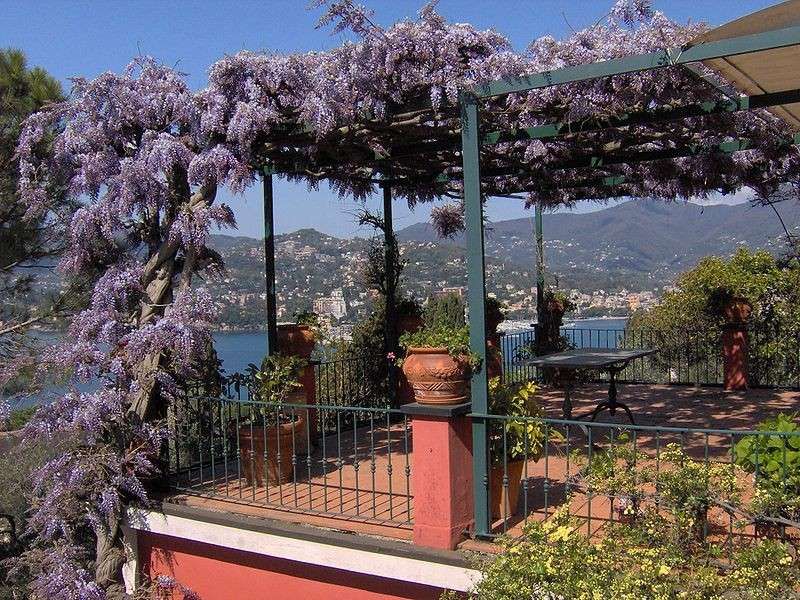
(390, 324)
(476, 297)
(539, 233)
(269, 264)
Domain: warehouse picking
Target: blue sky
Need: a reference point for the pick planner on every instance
(83, 37)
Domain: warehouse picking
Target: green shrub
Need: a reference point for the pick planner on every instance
(641, 561)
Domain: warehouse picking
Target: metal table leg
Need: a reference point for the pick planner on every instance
(611, 405)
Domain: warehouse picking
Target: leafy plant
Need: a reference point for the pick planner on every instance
(632, 562)
(275, 383)
(515, 438)
(620, 471)
(456, 341)
(774, 460)
(772, 456)
(689, 487)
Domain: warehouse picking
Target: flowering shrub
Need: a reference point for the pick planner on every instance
(554, 559)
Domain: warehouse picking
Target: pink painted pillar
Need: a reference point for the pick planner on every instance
(441, 474)
(734, 352)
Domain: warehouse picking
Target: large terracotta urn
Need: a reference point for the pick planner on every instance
(436, 377)
(737, 311)
(296, 340)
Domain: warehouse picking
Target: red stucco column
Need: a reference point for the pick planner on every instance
(441, 474)
(734, 352)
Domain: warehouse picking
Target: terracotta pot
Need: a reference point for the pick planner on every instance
(494, 357)
(296, 340)
(555, 307)
(258, 451)
(504, 499)
(436, 377)
(738, 310)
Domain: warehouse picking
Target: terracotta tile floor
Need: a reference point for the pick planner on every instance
(371, 493)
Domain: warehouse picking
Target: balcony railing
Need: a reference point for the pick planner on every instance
(351, 462)
(729, 481)
(349, 455)
(684, 357)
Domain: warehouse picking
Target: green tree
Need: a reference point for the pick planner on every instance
(688, 323)
(23, 243)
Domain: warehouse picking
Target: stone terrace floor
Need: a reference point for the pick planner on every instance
(373, 495)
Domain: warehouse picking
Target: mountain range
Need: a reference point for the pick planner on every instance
(637, 245)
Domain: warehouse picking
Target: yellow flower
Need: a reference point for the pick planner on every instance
(561, 534)
(664, 570)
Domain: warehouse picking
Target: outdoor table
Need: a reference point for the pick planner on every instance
(612, 360)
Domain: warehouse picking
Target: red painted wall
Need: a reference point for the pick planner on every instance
(216, 573)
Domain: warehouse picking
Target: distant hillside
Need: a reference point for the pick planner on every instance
(639, 242)
(638, 246)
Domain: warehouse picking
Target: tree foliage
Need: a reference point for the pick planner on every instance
(23, 243)
(689, 320)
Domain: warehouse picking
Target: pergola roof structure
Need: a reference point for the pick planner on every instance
(763, 72)
(681, 137)
(613, 154)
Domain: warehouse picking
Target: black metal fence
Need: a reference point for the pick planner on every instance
(684, 357)
(346, 461)
(721, 482)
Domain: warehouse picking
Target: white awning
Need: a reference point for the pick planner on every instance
(762, 72)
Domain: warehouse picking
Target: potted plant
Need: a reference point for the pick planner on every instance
(273, 431)
(495, 312)
(512, 442)
(438, 364)
(298, 338)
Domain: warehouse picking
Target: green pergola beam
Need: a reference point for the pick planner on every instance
(644, 117)
(746, 44)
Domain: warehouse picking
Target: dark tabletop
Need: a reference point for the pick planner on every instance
(588, 358)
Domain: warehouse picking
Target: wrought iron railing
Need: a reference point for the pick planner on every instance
(731, 481)
(774, 358)
(515, 347)
(290, 457)
(689, 357)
